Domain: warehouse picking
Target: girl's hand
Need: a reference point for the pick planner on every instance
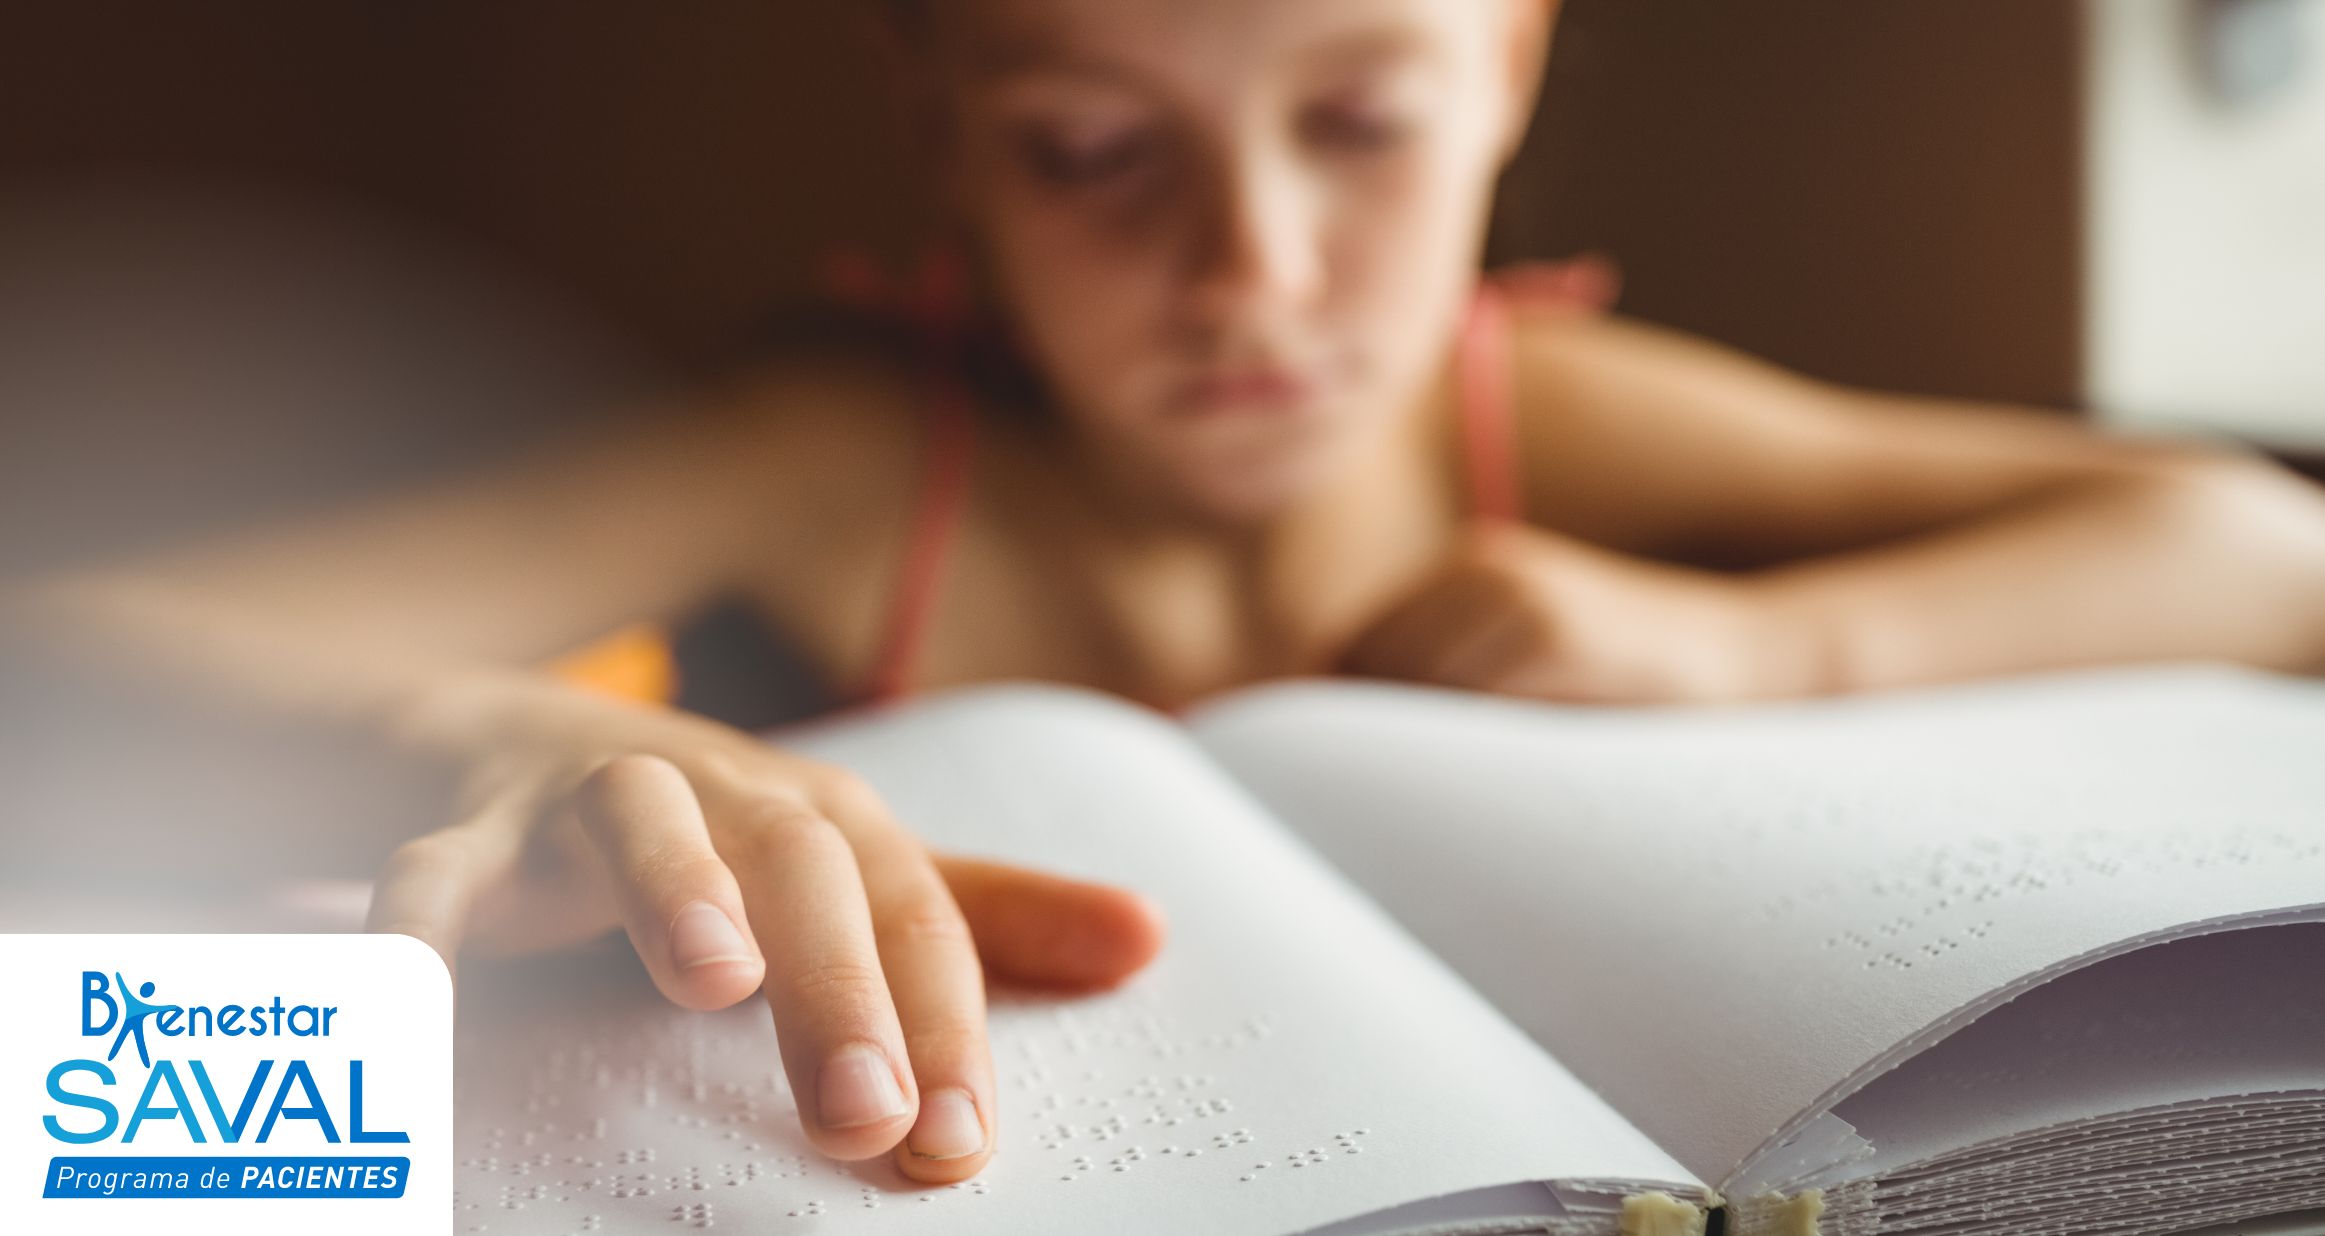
(731, 863)
(1523, 611)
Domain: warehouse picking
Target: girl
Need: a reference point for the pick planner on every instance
(1273, 424)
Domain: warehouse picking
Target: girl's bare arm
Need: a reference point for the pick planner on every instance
(1892, 539)
(352, 610)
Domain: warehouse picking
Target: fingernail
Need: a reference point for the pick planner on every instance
(857, 1087)
(703, 934)
(948, 1126)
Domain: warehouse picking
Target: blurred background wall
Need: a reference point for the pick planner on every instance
(1867, 190)
(2206, 207)
(671, 163)
(1890, 194)
(1877, 193)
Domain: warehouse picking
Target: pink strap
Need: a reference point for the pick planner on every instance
(1585, 283)
(935, 519)
(935, 301)
(1487, 375)
(1488, 408)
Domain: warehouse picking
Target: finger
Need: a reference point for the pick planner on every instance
(430, 885)
(834, 1019)
(1409, 640)
(681, 905)
(938, 986)
(1033, 927)
(1386, 648)
(1483, 653)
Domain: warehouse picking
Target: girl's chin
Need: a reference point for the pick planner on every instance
(1228, 481)
(1251, 493)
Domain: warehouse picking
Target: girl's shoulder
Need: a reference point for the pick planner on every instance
(866, 391)
(854, 427)
(833, 435)
(832, 416)
(1616, 416)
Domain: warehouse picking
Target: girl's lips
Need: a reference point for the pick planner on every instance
(1246, 390)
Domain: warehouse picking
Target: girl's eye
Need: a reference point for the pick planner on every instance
(1354, 129)
(1086, 161)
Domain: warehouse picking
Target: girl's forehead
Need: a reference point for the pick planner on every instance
(1005, 37)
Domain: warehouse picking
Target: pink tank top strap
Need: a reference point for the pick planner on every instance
(935, 301)
(1488, 407)
(1486, 372)
(936, 517)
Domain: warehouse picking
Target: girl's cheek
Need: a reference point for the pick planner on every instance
(1404, 250)
(1088, 259)
(1084, 300)
(1389, 228)
(1083, 231)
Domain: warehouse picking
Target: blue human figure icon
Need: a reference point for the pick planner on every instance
(134, 1011)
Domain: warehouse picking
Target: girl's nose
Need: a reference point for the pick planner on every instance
(1258, 251)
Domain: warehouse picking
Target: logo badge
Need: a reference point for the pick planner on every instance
(244, 1083)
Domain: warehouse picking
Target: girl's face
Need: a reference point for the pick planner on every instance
(1234, 235)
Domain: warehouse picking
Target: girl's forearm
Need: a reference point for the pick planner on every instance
(2213, 558)
(172, 731)
(168, 641)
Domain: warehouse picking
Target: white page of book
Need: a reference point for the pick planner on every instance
(1720, 918)
(1291, 1059)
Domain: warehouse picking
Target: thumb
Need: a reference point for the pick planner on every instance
(1033, 927)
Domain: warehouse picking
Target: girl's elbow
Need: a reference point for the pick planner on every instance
(2247, 511)
(2254, 498)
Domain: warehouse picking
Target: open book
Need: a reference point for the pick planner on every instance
(2039, 956)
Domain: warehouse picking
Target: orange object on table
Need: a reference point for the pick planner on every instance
(636, 662)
